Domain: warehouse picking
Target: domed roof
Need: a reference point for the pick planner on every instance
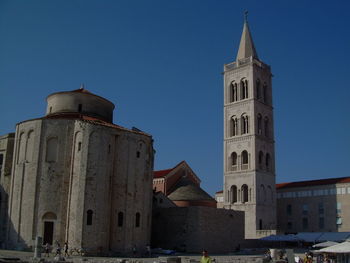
(80, 101)
(186, 190)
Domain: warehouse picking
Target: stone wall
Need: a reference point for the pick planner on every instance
(6, 152)
(192, 229)
(77, 176)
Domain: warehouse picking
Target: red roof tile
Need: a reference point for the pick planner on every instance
(161, 173)
(313, 182)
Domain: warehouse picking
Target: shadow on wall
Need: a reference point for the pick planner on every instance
(6, 226)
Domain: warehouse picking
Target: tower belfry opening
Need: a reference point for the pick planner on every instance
(249, 154)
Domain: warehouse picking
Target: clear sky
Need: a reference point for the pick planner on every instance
(160, 62)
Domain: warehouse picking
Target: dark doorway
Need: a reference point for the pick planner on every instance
(48, 232)
(260, 224)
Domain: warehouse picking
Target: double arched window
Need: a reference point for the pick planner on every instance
(233, 91)
(234, 164)
(244, 89)
(244, 124)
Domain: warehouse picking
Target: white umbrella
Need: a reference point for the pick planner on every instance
(338, 248)
(325, 244)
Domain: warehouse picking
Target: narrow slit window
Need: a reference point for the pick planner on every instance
(89, 217)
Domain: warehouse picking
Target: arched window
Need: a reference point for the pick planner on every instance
(233, 92)
(233, 194)
(137, 219)
(244, 191)
(233, 161)
(262, 193)
(51, 150)
(244, 89)
(244, 124)
(245, 160)
(120, 219)
(259, 124)
(267, 161)
(266, 127)
(30, 146)
(261, 160)
(270, 193)
(265, 92)
(234, 126)
(89, 217)
(258, 92)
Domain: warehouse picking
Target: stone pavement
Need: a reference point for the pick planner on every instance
(21, 256)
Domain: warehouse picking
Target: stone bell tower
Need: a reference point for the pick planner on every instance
(249, 151)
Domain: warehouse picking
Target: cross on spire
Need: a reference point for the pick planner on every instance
(246, 16)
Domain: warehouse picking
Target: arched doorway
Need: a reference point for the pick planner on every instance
(49, 219)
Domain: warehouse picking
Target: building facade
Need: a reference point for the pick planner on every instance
(249, 155)
(182, 186)
(77, 177)
(314, 206)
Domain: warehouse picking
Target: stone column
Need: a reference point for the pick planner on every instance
(37, 248)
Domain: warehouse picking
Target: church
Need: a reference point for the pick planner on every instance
(77, 177)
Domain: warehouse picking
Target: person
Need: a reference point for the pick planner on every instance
(47, 249)
(58, 249)
(65, 247)
(205, 258)
(148, 251)
(134, 250)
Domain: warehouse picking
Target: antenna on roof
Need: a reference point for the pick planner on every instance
(82, 86)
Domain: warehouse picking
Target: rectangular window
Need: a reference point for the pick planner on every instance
(321, 222)
(289, 210)
(321, 208)
(339, 221)
(305, 223)
(338, 208)
(305, 209)
(289, 225)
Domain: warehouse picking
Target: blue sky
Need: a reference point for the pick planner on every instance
(160, 62)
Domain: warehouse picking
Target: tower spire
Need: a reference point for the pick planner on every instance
(246, 46)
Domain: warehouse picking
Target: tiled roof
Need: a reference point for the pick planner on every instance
(161, 173)
(85, 118)
(313, 183)
(219, 192)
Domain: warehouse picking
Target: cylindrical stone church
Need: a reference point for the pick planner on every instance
(81, 179)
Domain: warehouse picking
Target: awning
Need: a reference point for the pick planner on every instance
(339, 248)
